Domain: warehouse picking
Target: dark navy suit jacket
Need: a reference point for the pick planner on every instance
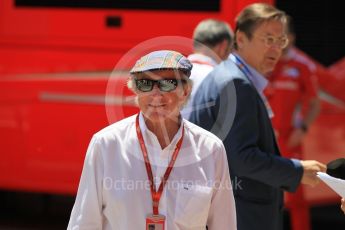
(228, 105)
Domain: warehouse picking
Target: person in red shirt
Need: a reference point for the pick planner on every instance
(293, 95)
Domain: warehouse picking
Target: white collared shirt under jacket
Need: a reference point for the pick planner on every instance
(114, 191)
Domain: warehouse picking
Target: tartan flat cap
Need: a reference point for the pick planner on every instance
(162, 59)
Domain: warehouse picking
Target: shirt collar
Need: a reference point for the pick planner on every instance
(198, 57)
(148, 134)
(257, 79)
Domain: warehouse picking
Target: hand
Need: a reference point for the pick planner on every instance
(343, 205)
(295, 138)
(310, 168)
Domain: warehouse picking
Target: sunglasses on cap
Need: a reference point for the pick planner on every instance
(164, 85)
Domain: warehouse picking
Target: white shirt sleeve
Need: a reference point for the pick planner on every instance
(222, 213)
(87, 210)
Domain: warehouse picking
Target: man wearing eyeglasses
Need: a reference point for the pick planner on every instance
(232, 105)
(156, 170)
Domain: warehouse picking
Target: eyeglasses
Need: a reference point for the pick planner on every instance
(164, 85)
(281, 42)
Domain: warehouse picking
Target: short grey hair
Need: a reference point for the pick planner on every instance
(211, 32)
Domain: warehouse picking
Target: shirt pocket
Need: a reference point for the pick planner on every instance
(192, 206)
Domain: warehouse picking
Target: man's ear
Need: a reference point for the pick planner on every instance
(224, 49)
(187, 89)
(224, 44)
(240, 39)
(218, 52)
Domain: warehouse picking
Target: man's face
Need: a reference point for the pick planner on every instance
(157, 105)
(264, 48)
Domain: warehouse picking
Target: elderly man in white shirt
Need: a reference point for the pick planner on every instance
(212, 42)
(155, 170)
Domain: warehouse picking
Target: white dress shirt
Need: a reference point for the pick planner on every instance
(202, 66)
(114, 191)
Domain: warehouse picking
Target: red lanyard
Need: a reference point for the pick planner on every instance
(156, 195)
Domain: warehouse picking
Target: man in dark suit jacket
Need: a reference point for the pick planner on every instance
(231, 104)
